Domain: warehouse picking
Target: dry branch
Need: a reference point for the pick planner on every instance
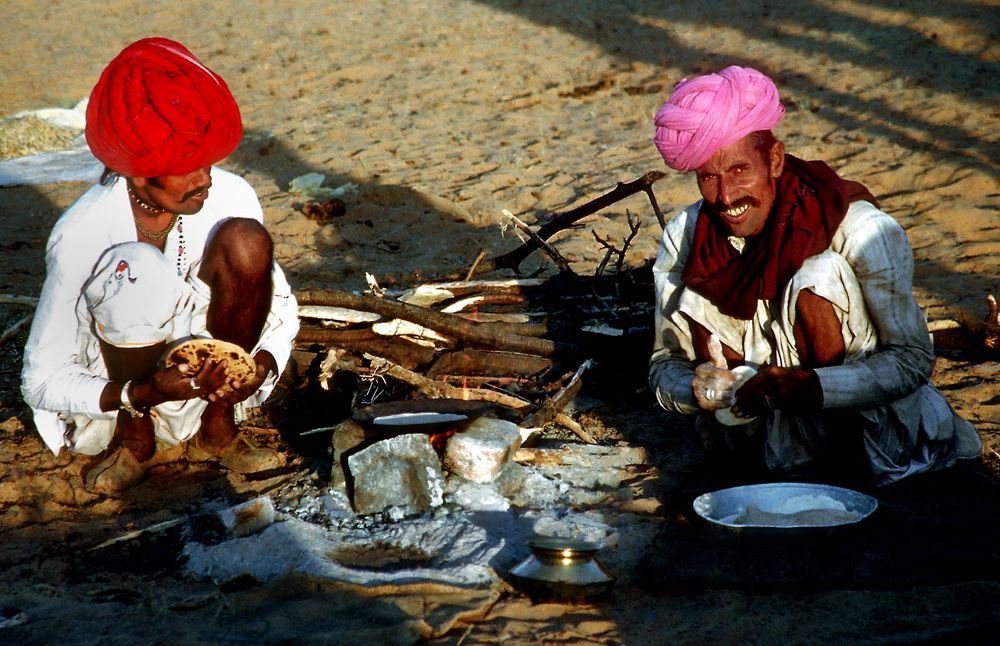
(489, 364)
(633, 225)
(557, 257)
(437, 389)
(14, 299)
(556, 404)
(519, 286)
(566, 421)
(365, 340)
(488, 335)
(475, 264)
(513, 259)
(14, 329)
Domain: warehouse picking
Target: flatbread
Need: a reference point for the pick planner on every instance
(195, 352)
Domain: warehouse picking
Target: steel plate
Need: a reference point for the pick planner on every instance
(784, 505)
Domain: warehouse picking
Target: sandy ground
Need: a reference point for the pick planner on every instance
(443, 113)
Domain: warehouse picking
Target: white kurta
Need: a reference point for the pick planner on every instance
(64, 374)
(867, 274)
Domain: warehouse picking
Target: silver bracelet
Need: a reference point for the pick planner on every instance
(126, 402)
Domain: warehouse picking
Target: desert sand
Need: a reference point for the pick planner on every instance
(434, 116)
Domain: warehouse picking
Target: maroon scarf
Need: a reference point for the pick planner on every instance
(810, 202)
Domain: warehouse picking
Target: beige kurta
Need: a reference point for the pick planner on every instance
(867, 274)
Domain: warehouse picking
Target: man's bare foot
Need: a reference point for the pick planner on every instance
(136, 435)
(218, 428)
(219, 439)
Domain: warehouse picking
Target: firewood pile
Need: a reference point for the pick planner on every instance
(526, 344)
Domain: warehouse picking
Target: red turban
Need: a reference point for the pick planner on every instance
(157, 110)
(708, 113)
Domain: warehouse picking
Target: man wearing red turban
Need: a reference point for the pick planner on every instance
(165, 248)
(785, 315)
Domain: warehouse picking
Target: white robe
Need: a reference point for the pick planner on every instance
(64, 373)
(867, 273)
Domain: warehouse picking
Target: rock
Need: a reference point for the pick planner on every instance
(248, 518)
(346, 437)
(403, 471)
(480, 453)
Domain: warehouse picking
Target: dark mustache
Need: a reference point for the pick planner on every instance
(190, 194)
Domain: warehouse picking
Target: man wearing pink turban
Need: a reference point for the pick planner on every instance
(165, 248)
(785, 316)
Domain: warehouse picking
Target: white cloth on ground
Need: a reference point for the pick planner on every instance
(867, 275)
(64, 373)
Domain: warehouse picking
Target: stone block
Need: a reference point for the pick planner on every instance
(403, 471)
(481, 451)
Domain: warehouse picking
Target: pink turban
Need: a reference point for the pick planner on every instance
(157, 110)
(710, 112)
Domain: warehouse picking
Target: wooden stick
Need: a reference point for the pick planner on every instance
(513, 259)
(480, 300)
(485, 363)
(490, 335)
(554, 406)
(464, 380)
(472, 269)
(518, 286)
(401, 351)
(544, 246)
(14, 329)
(14, 299)
(943, 324)
(437, 389)
(562, 419)
(648, 189)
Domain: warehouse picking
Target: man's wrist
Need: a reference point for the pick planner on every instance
(140, 398)
(126, 402)
(811, 391)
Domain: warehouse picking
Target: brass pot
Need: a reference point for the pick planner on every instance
(561, 570)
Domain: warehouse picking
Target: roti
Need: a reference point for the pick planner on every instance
(195, 352)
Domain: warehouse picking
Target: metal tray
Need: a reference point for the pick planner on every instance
(784, 505)
(420, 415)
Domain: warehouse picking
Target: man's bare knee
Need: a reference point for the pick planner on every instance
(241, 248)
(818, 336)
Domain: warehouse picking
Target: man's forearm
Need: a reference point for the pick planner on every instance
(670, 380)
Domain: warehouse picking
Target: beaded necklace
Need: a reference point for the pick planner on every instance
(181, 249)
(152, 210)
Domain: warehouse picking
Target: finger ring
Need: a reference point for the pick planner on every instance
(709, 393)
(193, 385)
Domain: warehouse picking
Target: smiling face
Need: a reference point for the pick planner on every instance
(738, 183)
(184, 194)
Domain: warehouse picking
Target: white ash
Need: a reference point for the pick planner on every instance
(473, 539)
(475, 496)
(447, 549)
